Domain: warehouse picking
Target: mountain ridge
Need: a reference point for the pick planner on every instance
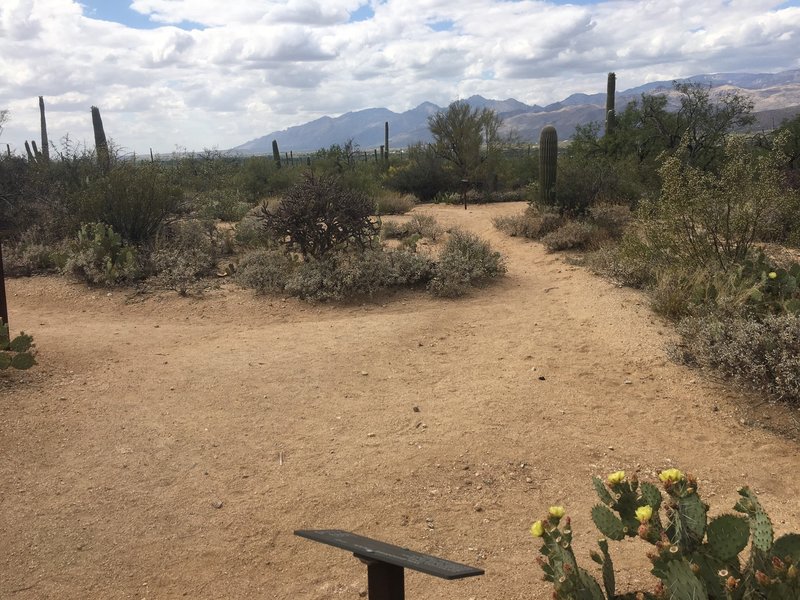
(769, 91)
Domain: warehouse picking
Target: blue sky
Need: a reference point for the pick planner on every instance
(188, 73)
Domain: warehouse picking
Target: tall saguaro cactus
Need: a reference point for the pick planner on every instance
(45, 143)
(610, 96)
(386, 141)
(100, 143)
(548, 164)
(276, 154)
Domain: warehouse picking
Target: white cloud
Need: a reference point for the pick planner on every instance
(254, 66)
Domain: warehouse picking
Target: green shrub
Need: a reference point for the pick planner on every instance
(465, 260)
(693, 557)
(184, 253)
(423, 226)
(18, 353)
(573, 235)
(763, 354)
(319, 216)
(133, 199)
(709, 220)
(394, 230)
(99, 256)
(226, 205)
(627, 263)
(393, 203)
(33, 253)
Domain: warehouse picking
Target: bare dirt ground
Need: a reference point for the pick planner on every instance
(168, 447)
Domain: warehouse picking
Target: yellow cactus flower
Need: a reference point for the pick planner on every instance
(537, 529)
(670, 476)
(556, 512)
(643, 513)
(616, 477)
(772, 275)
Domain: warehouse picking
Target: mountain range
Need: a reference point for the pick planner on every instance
(775, 96)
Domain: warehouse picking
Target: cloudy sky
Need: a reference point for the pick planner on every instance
(215, 73)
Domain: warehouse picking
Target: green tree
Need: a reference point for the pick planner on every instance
(465, 138)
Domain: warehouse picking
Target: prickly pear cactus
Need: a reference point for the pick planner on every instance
(693, 557)
(17, 353)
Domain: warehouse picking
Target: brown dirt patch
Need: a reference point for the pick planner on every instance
(145, 413)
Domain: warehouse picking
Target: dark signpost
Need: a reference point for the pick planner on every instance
(385, 562)
(3, 304)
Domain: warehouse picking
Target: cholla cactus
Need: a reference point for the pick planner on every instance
(694, 557)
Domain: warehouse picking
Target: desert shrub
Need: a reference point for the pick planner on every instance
(572, 235)
(226, 205)
(612, 219)
(16, 353)
(393, 203)
(426, 226)
(250, 232)
(764, 354)
(266, 271)
(99, 256)
(34, 252)
(133, 199)
(692, 556)
(708, 220)
(394, 230)
(464, 261)
(357, 274)
(319, 216)
(184, 252)
(627, 263)
(422, 174)
(534, 223)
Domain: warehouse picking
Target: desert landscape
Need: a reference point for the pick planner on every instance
(168, 447)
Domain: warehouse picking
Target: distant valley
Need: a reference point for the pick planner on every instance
(776, 96)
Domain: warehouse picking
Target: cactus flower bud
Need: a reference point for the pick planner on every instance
(616, 477)
(762, 578)
(778, 564)
(731, 583)
(644, 513)
(791, 572)
(537, 529)
(670, 476)
(772, 275)
(644, 531)
(556, 512)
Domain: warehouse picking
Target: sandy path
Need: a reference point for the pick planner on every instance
(144, 414)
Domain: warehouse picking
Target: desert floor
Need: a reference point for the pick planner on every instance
(168, 447)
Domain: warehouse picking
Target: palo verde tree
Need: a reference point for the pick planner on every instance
(464, 137)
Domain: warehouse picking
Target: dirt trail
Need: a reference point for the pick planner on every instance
(145, 414)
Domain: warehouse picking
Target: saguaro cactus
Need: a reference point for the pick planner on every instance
(31, 157)
(100, 143)
(548, 164)
(610, 93)
(386, 141)
(45, 143)
(276, 154)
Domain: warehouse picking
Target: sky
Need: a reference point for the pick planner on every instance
(198, 74)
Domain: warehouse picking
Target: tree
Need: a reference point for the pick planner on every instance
(460, 135)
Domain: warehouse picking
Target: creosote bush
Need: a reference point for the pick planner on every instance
(693, 557)
(393, 203)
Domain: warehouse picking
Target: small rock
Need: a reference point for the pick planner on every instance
(364, 373)
(370, 434)
(715, 408)
(415, 409)
(217, 504)
(477, 508)
(528, 480)
(362, 593)
(628, 382)
(541, 378)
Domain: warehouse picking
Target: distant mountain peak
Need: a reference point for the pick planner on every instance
(769, 91)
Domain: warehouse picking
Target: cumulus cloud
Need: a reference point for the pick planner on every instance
(212, 75)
